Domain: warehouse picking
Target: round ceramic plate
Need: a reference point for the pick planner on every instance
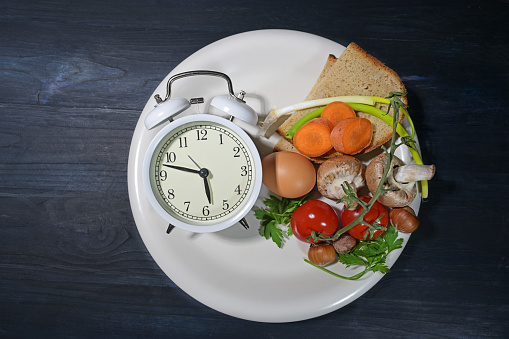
(236, 271)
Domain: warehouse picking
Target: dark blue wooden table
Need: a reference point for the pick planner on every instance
(74, 79)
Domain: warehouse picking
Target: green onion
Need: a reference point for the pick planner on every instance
(311, 115)
(387, 101)
(275, 114)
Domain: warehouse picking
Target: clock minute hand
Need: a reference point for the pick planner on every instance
(185, 169)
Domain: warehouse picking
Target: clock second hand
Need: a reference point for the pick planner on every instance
(204, 173)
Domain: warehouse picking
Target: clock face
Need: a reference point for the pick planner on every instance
(202, 173)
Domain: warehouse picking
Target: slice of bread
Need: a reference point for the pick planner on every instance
(331, 59)
(355, 72)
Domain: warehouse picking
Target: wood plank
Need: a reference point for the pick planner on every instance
(75, 77)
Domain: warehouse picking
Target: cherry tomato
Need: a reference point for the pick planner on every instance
(359, 230)
(314, 215)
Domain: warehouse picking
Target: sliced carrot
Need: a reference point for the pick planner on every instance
(337, 111)
(352, 135)
(313, 139)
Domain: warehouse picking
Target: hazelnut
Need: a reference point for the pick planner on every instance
(322, 254)
(404, 219)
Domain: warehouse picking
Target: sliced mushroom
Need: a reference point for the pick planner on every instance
(400, 176)
(333, 172)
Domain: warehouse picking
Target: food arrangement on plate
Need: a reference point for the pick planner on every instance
(235, 270)
(355, 107)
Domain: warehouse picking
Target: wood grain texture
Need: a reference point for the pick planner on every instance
(75, 77)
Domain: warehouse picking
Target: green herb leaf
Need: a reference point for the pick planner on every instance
(350, 259)
(380, 268)
(372, 254)
(391, 239)
(277, 215)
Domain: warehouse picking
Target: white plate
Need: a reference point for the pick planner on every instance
(237, 272)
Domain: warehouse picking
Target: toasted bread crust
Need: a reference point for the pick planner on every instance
(355, 72)
(331, 59)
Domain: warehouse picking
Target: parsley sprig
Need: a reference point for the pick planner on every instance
(277, 216)
(372, 254)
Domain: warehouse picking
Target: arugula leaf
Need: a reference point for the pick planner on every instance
(277, 215)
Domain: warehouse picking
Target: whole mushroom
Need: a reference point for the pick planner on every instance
(400, 176)
(335, 171)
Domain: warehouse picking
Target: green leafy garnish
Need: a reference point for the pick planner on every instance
(371, 254)
(277, 216)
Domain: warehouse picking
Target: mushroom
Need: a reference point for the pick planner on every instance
(400, 176)
(344, 243)
(333, 172)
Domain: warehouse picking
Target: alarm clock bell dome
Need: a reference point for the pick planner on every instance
(166, 111)
(235, 107)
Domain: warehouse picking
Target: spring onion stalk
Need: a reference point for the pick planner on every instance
(402, 133)
(311, 115)
(388, 101)
(275, 114)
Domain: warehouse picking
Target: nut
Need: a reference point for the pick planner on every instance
(322, 254)
(404, 219)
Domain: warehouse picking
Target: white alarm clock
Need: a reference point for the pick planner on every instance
(202, 172)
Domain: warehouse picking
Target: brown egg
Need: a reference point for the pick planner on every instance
(288, 174)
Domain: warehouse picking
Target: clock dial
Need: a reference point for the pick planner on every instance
(202, 173)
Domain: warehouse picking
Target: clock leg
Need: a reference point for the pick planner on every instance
(170, 228)
(244, 224)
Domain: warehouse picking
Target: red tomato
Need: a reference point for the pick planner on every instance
(359, 230)
(314, 215)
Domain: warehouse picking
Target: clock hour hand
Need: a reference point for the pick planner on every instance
(207, 189)
(180, 168)
(204, 173)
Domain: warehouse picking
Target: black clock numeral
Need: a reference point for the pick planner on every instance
(187, 203)
(171, 157)
(237, 190)
(182, 142)
(236, 152)
(171, 193)
(163, 175)
(202, 134)
(205, 210)
(243, 171)
(220, 139)
(226, 206)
